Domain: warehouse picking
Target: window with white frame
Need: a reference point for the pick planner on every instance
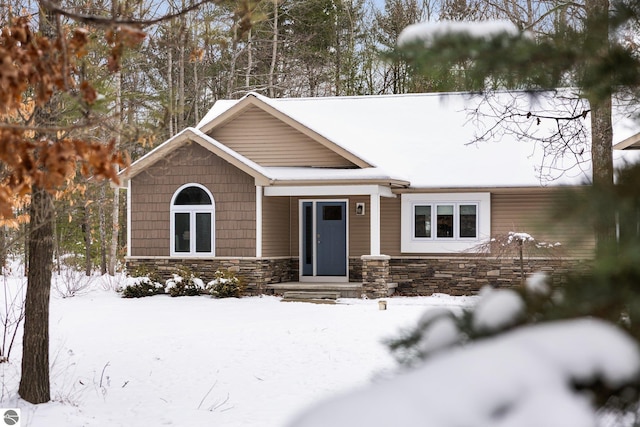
(192, 221)
(448, 221)
(444, 222)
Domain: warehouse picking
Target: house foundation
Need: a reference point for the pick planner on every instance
(380, 275)
(256, 273)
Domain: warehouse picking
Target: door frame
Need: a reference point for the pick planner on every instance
(314, 277)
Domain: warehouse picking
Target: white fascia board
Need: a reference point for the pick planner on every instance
(328, 190)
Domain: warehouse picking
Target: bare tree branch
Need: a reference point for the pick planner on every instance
(99, 21)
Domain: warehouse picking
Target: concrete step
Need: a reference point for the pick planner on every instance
(316, 297)
(311, 295)
(343, 290)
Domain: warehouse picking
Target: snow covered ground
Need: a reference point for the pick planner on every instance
(259, 362)
(198, 361)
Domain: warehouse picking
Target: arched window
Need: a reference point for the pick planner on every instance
(192, 221)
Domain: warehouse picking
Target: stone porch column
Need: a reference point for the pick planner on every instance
(376, 276)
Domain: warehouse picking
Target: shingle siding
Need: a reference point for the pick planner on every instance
(233, 192)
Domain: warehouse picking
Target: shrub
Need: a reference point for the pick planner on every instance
(225, 285)
(145, 283)
(142, 287)
(70, 282)
(184, 283)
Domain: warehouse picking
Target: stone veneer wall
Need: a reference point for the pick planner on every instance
(256, 272)
(467, 275)
(355, 269)
(413, 275)
(376, 276)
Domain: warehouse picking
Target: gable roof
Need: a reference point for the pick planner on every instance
(195, 135)
(262, 175)
(424, 138)
(225, 111)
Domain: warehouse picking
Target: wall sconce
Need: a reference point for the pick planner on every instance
(359, 208)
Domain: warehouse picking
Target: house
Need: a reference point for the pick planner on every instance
(366, 194)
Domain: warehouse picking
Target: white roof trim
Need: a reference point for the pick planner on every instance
(329, 190)
(630, 143)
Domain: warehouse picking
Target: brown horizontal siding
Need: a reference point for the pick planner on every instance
(233, 192)
(269, 142)
(531, 212)
(359, 228)
(276, 233)
(390, 226)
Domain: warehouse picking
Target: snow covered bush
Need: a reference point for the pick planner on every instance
(142, 287)
(142, 283)
(498, 363)
(538, 375)
(225, 285)
(496, 311)
(184, 283)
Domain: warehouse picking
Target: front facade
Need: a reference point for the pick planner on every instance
(277, 199)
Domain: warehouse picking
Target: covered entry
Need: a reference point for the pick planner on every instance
(323, 240)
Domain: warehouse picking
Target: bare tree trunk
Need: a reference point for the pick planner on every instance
(25, 233)
(56, 245)
(3, 247)
(115, 218)
(196, 93)
(181, 65)
(34, 383)
(3, 235)
(86, 228)
(103, 232)
(601, 128)
(274, 51)
(170, 90)
(232, 66)
(247, 78)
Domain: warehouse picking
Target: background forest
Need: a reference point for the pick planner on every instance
(224, 49)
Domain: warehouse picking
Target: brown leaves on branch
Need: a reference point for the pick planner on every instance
(119, 38)
(32, 62)
(34, 68)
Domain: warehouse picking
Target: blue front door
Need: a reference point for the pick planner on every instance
(324, 239)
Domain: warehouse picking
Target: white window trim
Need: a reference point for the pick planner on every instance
(411, 244)
(192, 210)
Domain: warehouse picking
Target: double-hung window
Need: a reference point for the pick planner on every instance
(442, 222)
(192, 221)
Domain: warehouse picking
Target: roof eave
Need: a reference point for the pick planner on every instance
(392, 183)
(631, 143)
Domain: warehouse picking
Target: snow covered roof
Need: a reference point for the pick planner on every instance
(263, 175)
(427, 139)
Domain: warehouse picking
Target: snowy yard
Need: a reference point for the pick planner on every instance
(198, 361)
